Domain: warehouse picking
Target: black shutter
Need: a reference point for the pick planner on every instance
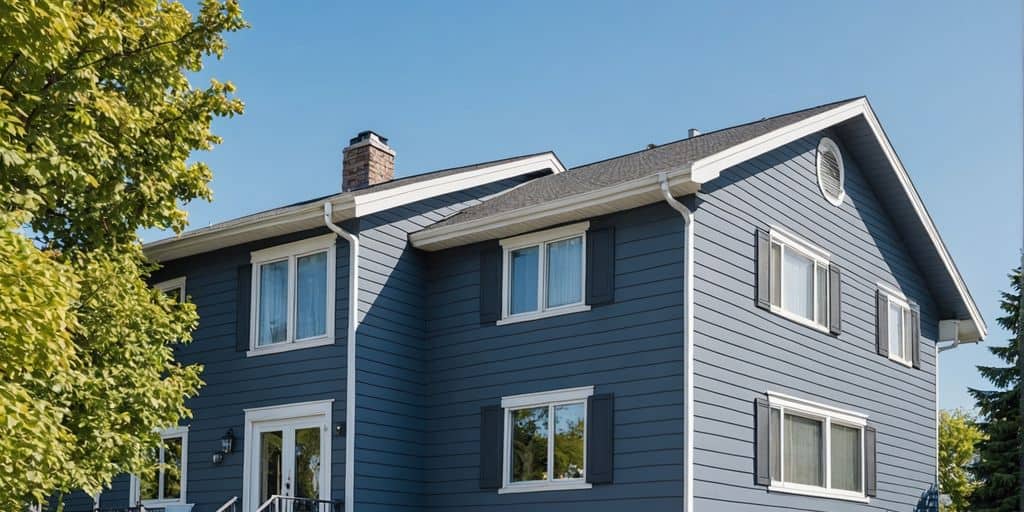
(762, 434)
(870, 462)
(600, 439)
(882, 323)
(490, 283)
(835, 300)
(915, 335)
(764, 270)
(601, 266)
(242, 306)
(492, 429)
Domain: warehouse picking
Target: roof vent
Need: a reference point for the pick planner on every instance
(831, 175)
(692, 132)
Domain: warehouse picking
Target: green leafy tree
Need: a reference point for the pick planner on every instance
(958, 439)
(98, 119)
(998, 470)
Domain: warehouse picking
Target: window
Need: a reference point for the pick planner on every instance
(831, 174)
(799, 280)
(545, 440)
(174, 288)
(544, 273)
(816, 449)
(898, 327)
(293, 295)
(165, 483)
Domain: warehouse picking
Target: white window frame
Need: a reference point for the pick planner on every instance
(827, 144)
(541, 240)
(828, 415)
(170, 284)
(134, 490)
(819, 256)
(548, 399)
(895, 298)
(291, 252)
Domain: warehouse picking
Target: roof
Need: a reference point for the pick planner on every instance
(620, 169)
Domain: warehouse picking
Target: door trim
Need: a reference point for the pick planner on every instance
(301, 410)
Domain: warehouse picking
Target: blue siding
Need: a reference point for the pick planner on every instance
(632, 348)
(742, 351)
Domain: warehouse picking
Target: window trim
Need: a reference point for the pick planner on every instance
(170, 284)
(134, 490)
(895, 297)
(542, 399)
(290, 252)
(827, 144)
(541, 240)
(827, 415)
(815, 254)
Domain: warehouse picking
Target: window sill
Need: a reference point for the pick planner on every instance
(901, 361)
(526, 317)
(800, 320)
(544, 486)
(818, 492)
(277, 348)
(175, 504)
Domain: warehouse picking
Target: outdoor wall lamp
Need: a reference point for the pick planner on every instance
(226, 444)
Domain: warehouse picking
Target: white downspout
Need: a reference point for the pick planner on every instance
(350, 357)
(688, 225)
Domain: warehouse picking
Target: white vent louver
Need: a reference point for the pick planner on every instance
(830, 171)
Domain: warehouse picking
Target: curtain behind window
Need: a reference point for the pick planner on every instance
(311, 296)
(845, 458)
(803, 450)
(798, 289)
(273, 314)
(565, 273)
(523, 280)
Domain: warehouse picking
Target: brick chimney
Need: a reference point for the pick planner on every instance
(368, 160)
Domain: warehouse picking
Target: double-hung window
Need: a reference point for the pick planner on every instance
(293, 295)
(545, 440)
(900, 334)
(898, 327)
(799, 280)
(816, 449)
(164, 484)
(544, 273)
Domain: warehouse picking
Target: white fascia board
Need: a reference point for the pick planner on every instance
(710, 167)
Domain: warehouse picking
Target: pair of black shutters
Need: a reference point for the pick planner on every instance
(600, 272)
(882, 328)
(764, 283)
(762, 446)
(600, 448)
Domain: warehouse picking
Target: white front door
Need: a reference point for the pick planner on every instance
(287, 457)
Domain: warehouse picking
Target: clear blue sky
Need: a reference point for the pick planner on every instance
(459, 82)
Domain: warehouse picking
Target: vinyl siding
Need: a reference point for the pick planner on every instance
(742, 351)
(632, 348)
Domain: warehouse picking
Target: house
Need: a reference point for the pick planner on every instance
(743, 319)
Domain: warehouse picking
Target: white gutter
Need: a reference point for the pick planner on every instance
(688, 225)
(350, 357)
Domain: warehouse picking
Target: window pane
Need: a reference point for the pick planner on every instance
(908, 336)
(774, 445)
(776, 279)
(846, 458)
(803, 451)
(529, 444)
(821, 295)
(798, 289)
(149, 482)
(271, 444)
(896, 331)
(172, 468)
(565, 272)
(174, 293)
(273, 319)
(311, 296)
(307, 463)
(569, 428)
(523, 280)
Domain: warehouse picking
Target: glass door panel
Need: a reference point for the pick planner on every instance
(307, 463)
(271, 464)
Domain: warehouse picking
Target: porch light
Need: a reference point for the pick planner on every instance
(227, 442)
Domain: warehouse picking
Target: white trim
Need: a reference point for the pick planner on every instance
(283, 413)
(827, 144)
(808, 248)
(549, 399)
(291, 252)
(776, 399)
(170, 284)
(819, 257)
(891, 291)
(134, 490)
(541, 240)
(900, 301)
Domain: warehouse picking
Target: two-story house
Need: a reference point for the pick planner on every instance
(744, 319)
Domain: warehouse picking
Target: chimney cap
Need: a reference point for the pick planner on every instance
(693, 132)
(367, 135)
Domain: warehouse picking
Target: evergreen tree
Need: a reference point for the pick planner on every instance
(998, 468)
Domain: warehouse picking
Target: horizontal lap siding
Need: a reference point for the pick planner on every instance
(632, 348)
(742, 351)
(392, 351)
(234, 382)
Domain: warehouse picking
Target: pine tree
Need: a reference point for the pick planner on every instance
(998, 468)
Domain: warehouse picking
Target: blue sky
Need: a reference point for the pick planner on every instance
(459, 82)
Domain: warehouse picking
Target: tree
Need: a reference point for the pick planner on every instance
(97, 121)
(998, 470)
(958, 437)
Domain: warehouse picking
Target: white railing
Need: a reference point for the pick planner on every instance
(278, 503)
(229, 505)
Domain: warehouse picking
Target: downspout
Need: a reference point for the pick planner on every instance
(350, 357)
(688, 225)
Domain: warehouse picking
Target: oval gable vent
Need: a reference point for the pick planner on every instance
(830, 171)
